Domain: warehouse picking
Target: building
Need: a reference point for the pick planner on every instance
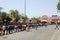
(53, 18)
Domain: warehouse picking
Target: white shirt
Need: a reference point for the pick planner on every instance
(3, 27)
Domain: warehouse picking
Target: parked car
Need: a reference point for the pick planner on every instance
(43, 24)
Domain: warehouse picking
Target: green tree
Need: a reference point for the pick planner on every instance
(35, 18)
(17, 15)
(4, 15)
(8, 18)
(23, 17)
(14, 13)
(58, 6)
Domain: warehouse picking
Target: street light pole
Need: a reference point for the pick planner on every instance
(25, 7)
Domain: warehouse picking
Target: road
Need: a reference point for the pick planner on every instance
(43, 33)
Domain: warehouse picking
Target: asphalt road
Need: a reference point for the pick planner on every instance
(43, 33)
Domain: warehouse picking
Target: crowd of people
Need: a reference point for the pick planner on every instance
(9, 27)
(12, 26)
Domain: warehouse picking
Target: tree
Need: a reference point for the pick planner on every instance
(15, 13)
(23, 17)
(58, 6)
(4, 15)
(34, 18)
(8, 18)
(12, 13)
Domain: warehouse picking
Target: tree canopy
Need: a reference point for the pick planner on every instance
(14, 13)
(4, 15)
(34, 18)
(23, 17)
(58, 6)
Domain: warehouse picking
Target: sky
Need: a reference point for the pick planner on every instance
(34, 8)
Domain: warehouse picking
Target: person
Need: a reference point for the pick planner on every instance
(1, 31)
(15, 28)
(28, 26)
(57, 26)
(5, 23)
(11, 27)
(24, 26)
(8, 29)
(36, 25)
(18, 27)
(3, 27)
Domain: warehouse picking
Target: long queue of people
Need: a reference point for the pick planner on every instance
(12, 27)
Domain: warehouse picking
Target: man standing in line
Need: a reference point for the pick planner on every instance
(28, 26)
(56, 25)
